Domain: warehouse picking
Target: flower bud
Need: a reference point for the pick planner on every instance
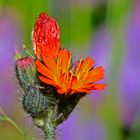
(25, 70)
(34, 102)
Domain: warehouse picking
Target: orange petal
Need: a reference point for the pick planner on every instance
(63, 60)
(87, 63)
(43, 70)
(95, 74)
(47, 81)
(51, 65)
(82, 90)
(100, 86)
(60, 91)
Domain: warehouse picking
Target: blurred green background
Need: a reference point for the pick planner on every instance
(109, 32)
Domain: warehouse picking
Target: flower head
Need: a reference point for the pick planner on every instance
(55, 64)
(51, 103)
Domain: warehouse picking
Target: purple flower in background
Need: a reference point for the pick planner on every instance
(8, 36)
(78, 128)
(101, 46)
(100, 49)
(131, 69)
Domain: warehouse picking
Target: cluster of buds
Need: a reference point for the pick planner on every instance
(52, 83)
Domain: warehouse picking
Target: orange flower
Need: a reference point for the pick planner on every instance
(55, 64)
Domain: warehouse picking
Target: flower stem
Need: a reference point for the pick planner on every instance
(47, 124)
(49, 131)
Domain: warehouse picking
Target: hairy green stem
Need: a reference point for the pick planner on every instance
(49, 131)
(47, 124)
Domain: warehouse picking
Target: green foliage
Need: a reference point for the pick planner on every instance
(26, 11)
(2, 118)
(80, 25)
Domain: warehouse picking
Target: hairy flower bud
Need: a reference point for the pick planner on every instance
(25, 70)
(34, 102)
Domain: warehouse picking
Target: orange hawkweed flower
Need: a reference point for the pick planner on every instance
(55, 64)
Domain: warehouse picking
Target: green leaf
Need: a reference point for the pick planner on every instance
(2, 118)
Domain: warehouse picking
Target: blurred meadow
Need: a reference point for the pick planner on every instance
(108, 31)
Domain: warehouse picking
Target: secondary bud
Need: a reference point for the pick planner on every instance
(25, 70)
(24, 63)
(35, 102)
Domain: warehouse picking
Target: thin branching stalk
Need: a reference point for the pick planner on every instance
(10, 121)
